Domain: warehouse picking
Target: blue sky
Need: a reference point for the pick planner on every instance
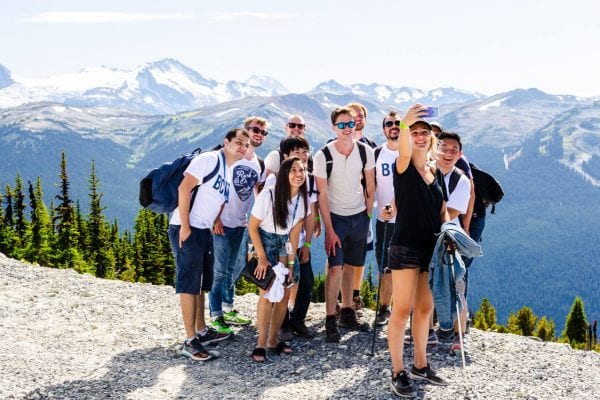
(481, 46)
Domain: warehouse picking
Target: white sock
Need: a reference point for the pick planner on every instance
(203, 332)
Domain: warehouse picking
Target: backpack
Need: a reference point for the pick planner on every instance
(487, 189)
(329, 160)
(159, 189)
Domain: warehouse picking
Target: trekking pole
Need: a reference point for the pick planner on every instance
(385, 224)
(450, 247)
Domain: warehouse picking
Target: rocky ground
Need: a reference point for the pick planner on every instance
(70, 336)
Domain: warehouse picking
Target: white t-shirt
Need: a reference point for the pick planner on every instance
(344, 189)
(263, 210)
(384, 173)
(273, 161)
(459, 198)
(211, 195)
(245, 175)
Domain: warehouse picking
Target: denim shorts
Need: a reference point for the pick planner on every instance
(404, 257)
(194, 260)
(352, 231)
(274, 245)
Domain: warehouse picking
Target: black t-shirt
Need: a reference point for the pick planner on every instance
(419, 206)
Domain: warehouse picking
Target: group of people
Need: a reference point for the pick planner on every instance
(275, 207)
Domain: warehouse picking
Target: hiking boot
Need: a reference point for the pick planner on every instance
(221, 326)
(233, 317)
(401, 385)
(432, 339)
(357, 305)
(285, 333)
(337, 310)
(300, 329)
(212, 336)
(349, 320)
(445, 336)
(194, 350)
(383, 316)
(332, 333)
(456, 348)
(427, 374)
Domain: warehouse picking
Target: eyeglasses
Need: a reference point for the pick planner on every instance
(389, 124)
(256, 129)
(343, 125)
(444, 150)
(293, 125)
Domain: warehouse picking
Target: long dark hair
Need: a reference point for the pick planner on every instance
(282, 193)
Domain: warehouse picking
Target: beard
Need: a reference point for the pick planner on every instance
(255, 144)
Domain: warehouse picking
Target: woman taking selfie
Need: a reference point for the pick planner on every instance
(420, 213)
(274, 229)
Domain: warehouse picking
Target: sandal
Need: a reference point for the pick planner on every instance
(282, 348)
(259, 355)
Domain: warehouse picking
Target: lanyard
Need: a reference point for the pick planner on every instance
(295, 209)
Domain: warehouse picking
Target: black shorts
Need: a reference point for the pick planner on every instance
(404, 257)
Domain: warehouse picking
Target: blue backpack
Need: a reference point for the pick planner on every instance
(159, 189)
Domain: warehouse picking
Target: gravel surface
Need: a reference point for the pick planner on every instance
(70, 336)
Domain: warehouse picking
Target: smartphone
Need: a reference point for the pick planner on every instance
(432, 112)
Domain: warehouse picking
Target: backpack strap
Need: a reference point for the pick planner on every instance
(439, 177)
(362, 150)
(454, 178)
(378, 152)
(328, 160)
(207, 178)
(261, 162)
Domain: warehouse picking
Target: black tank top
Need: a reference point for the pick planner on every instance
(419, 206)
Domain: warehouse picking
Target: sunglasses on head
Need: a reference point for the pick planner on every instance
(343, 125)
(293, 125)
(256, 129)
(389, 124)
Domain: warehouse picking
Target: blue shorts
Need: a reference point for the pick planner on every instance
(194, 261)
(352, 231)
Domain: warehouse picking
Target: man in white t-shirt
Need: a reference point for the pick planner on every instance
(447, 153)
(346, 212)
(194, 254)
(360, 119)
(230, 227)
(294, 127)
(385, 161)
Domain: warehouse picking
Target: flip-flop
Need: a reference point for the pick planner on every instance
(259, 355)
(282, 348)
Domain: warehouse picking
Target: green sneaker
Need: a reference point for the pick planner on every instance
(234, 318)
(221, 326)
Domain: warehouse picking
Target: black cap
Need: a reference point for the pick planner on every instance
(422, 121)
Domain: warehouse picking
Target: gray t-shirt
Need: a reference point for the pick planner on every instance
(344, 188)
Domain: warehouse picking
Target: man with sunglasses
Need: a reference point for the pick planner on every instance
(229, 229)
(385, 160)
(360, 119)
(294, 127)
(346, 212)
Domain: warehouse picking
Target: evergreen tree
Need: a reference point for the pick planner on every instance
(101, 253)
(545, 329)
(485, 317)
(9, 236)
(44, 222)
(2, 226)
(512, 324)
(576, 325)
(146, 246)
(82, 238)
(67, 236)
(20, 221)
(124, 259)
(368, 291)
(526, 321)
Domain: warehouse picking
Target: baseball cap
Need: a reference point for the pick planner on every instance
(421, 122)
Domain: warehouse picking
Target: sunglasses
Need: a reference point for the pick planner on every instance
(256, 129)
(293, 125)
(389, 124)
(343, 125)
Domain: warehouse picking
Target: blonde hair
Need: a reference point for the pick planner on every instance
(258, 120)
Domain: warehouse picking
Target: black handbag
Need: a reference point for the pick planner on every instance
(248, 273)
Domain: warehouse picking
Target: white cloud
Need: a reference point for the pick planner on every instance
(248, 14)
(96, 17)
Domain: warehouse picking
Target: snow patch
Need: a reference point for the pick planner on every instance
(383, 93)
(219, 114)
(496, 103)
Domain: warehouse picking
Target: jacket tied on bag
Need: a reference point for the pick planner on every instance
(276, 292)
(441, 281)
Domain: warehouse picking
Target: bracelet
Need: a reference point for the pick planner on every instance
(307, 244)
(291, 262)
(370, 215)
(317, 219)
(403, 125)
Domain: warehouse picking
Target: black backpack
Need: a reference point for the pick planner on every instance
(159, 189)
(487, 189)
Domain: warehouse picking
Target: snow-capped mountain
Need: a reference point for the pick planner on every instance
(267, 83)
(397, 97)
(161, 87)
(5, 77)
